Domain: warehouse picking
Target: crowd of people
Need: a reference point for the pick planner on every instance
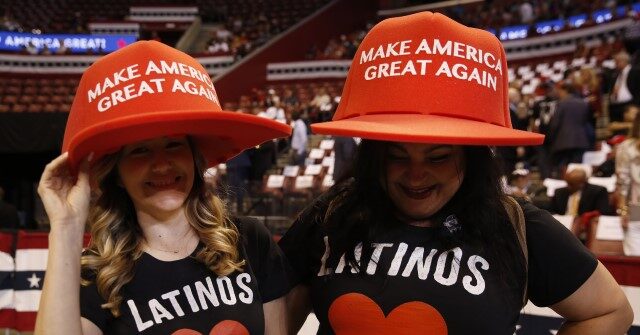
(488, 15)
(25, 19)
(314, 102)
(238, 36)
(245, 26)
(571, 111)
(343, 47)
(500, 13)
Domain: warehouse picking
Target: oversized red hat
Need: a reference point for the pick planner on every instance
(149, 89)
(426, 78)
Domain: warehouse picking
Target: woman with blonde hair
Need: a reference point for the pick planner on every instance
(165, 256)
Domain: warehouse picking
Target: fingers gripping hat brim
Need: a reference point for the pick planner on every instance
(419, 128)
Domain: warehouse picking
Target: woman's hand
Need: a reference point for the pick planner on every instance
(65, 196)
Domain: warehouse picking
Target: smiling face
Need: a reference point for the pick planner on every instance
(422, 178)
(158, 174)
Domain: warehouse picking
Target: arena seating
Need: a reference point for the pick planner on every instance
(62, 16)
(249, 25)
(37, 94)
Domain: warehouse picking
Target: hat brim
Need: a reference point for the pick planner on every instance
(420, 128)
(218, 135)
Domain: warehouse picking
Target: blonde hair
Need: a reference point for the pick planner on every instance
(116, 236)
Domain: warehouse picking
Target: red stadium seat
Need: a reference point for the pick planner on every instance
(14, 89)
(42, 99)
(26, 99)
(64, 108)
(31, 90)
(44, 82)
(50, 108)
(57, 99)
(35, 108)
(9, 99)
(46, 90)
(18, 108)
(62, 90)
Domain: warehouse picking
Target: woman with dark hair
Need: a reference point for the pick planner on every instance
(165, 256)
(420, 238)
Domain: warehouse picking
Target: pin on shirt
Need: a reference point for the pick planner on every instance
(451, 223)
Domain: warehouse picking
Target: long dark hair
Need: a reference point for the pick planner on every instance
(359, 208)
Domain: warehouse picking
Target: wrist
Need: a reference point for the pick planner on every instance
(66, 231)
(68, 222)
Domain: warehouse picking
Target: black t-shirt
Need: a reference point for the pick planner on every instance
(414, 285)
(176, 296)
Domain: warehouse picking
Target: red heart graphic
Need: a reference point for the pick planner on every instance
(226, 327)
(355, 314)
(229, 327)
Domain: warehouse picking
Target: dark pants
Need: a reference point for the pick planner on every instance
(616, 111)
(563, 158)
(298, 159)
(544, 161)
(263, 158)
(238, 185)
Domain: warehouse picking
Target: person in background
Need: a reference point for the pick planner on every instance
(419, 238)
(345, 149)
(569, 129)
(518, 183)
(608, 167)
(624, 127)
(299, 140)
(31, 48)
(579, 197)
(45, 50)
(63, 49)
(238, 173)
(542, 112)
(626, 86)
(276, 112)
(628, 172)
(511, 155)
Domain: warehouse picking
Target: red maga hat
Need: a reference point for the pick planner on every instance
(426, 78)
(149, 89)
